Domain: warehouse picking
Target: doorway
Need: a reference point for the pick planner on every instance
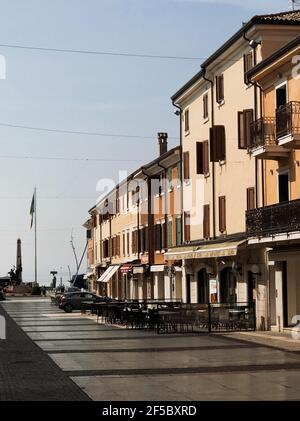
(188, 289)
(227, 286)
(281, 95)
(283, 187)
(203, 287)
(250, 286)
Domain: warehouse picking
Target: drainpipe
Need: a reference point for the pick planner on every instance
(213, 163)
(181, 160)
(165, 205)
(253, 44)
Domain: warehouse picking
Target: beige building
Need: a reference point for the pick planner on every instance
(221, 179)
(275, 142)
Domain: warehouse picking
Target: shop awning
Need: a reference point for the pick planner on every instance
(207, 251)
(108, 274)
(157, 268)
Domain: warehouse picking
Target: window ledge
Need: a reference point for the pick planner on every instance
(221, 163)
(187, 182)
(170, 190)
(179, 186)
(205, 120)
(221, 103)
(207, 175)
(187, 133)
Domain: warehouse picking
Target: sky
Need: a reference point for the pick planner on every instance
(91, 93)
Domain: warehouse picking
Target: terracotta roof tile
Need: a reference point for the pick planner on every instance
(281, 17)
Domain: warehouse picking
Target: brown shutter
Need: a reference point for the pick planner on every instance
(217, 144)
(119, 245)
(186, 165)
(199, 157)
(205, 106)
(187, 226)
(128, 243)
(220, 88)
(205, 157)
(206, 222)
(241, 130)
(133, 242)
(124, 244)
(222, 214)
(187, 120)
(248, 120)
(146, 235)
(250, 198)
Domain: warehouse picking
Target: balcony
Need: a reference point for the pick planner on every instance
(275, 219)
(263, 143)
(288, 124)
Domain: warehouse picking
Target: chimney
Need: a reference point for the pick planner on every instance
(162, 143)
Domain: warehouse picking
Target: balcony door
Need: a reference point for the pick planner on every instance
(281, 95)
(283, 187)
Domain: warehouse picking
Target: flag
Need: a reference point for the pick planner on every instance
(32, 209)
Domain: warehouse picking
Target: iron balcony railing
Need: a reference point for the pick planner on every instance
(262, 132)
(288, 119)
(280, 218)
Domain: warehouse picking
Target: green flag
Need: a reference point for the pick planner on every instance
(32, 209)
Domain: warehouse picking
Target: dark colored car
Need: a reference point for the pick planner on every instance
(2, 295)
(73, 301)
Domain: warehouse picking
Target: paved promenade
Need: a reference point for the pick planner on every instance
(109, 363)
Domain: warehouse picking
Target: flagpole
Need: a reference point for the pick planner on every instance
(35, 239)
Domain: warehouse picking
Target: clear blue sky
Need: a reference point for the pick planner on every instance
(91, 93)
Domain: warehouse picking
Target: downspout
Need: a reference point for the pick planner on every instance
(165, 204)
(253, 45)
(181, 161)
(213, 163)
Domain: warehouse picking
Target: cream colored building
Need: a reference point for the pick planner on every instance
(221, 179)
(275, 226)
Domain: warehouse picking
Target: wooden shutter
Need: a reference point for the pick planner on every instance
(119, 245)
(117, 201)
(133, 243)
(199, 157)
(158, 237)
(170, 233)
(250, 198)
(205, 157)
(248, 120)
(222, 214)
(178, 232)
(206, 222)
(186, 165)
(128, 243)
(205, 106)
(187, 226)
(220, 88)
(164, 236)
(146, 234)
(241, 131)
(187, 120)
(124, 244)
(248, 64)
(217, 144)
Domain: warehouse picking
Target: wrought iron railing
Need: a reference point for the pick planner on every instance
(262, 132)
(288, 119)
(280, 218)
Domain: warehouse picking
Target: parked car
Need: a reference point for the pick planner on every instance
(2, 295)
(73, 301)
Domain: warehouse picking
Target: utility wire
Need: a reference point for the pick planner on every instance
(48, 158)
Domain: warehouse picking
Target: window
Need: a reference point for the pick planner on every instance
(128, 243)
(245, 119)
(248, 64)
(186, 166)
(250, 198)
(169, 175)
(202, 157)
(220, 89)
(178, 232)
(206, 222)
(124, 244)
(187, 120)
(158, 237)
(164, 236)
(170, 234)
(179, 172)
(205, 106)
(146, 239)
(187, 226)
(134, 242)
(217, 144)
(222, 214)
(117, 210)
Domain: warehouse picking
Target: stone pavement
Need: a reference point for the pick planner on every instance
(27, 373)
(111, 363)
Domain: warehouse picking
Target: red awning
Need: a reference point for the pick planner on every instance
(126, 268)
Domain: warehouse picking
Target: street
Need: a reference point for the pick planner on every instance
(59, 351)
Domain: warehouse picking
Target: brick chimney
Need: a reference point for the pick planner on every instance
(162, 143)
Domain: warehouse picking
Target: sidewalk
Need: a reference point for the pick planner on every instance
(28, 373)
(283, 341)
